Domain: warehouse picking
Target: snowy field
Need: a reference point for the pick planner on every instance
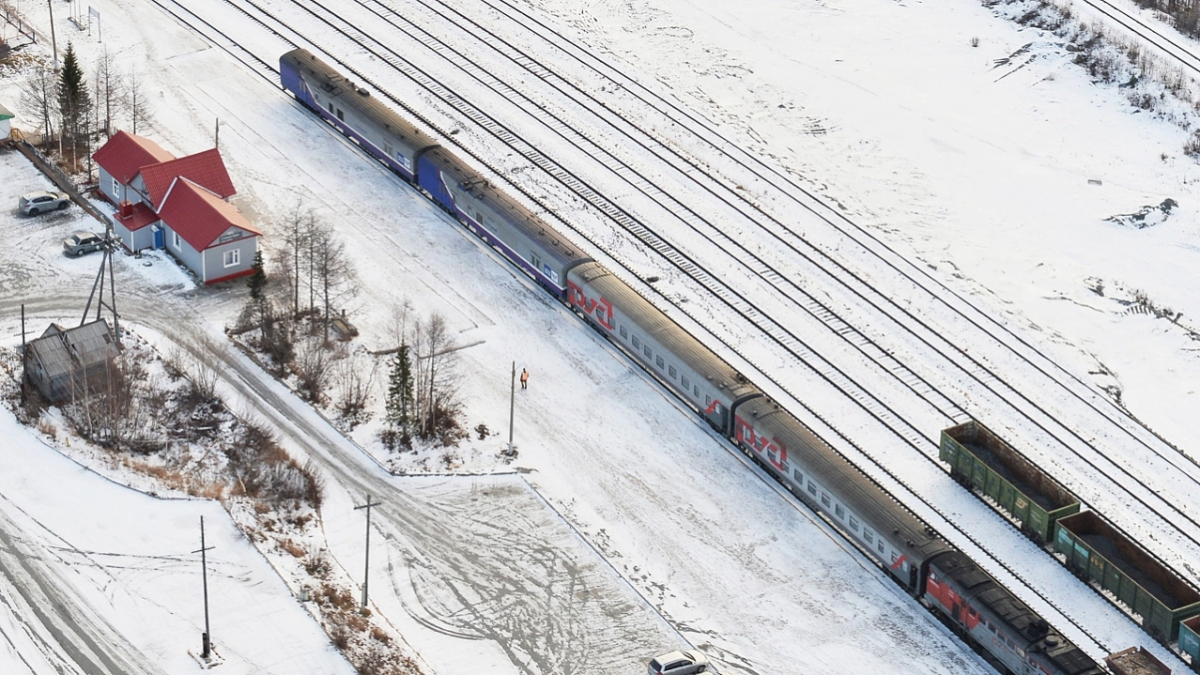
(886, 107)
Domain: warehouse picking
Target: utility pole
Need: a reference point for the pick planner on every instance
(206, 639)
(367, 571)
(53, 40)
(512, 406)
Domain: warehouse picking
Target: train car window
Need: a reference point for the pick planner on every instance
(707, 400)
(659, 361)
(854, 523)
(812, 488)
(646, 349)
(637, 344)
(893, 558)
(537, 262)
(684, 381)
(798, 476)
(825, 499)
(331, 107)
(387, 149)
(839, 511)
(671, 371)
(340, 117)
(868, 536)
(784, 468)
(624, 333)
(880, 546)
(696, 391)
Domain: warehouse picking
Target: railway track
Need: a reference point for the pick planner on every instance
(687, 266)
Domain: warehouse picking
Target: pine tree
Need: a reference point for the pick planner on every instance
(258, 280)
(400, 394)
(74, 103)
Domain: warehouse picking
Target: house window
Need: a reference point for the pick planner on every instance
(233, 257)
(116, 187)
(175, 239)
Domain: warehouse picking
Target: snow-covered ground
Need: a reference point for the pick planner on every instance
(892, 113)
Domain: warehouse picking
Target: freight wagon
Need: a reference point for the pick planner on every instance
(1096, 551)
(1189, 640)
(981, 461)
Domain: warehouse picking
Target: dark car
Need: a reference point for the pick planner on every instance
(82, 242)
(679, 663)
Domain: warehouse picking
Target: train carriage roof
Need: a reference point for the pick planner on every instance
(853, 488)
(329, 82)
(531, 226)
(651, 322)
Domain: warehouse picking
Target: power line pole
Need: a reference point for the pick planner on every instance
(206, 638)
(512, 406)
(367, 571)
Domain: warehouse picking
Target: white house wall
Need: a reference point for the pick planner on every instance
(215, 256)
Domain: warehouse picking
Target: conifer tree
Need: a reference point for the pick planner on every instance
(257, 281)
(400, 394)
(74, 104)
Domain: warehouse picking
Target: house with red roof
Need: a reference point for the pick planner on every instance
(180, 204)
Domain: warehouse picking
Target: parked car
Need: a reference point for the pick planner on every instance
(42, 201)
(679, 663)
(82, 242)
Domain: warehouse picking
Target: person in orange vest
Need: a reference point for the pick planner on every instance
(524, 378)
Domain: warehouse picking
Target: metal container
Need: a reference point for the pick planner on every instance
(981, 461)
(1189, 639)
(1096, 551)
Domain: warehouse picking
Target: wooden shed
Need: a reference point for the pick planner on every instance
(64, 363)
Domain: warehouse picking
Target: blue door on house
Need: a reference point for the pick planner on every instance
(158, 237)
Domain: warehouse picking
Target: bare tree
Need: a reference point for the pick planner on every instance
(334, 272)
(313, 366)
(136, 101)
(39, 99)
(436, 382)
(354, 378)
(109, 92)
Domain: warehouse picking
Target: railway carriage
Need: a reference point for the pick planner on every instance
(670, 353)
(354, 112)
(987, 614)
(810, 469)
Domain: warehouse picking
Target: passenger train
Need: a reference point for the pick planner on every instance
(1011, 636)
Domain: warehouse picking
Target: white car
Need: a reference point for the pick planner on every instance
(42, 201)
(679, 663)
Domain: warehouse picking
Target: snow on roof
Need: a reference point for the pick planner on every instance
(140, 216)
(205, 169)
(200, 216)
(124, 154)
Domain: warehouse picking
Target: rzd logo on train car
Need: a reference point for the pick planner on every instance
(601, 309)
(775, 452)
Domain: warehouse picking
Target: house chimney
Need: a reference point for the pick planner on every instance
(126, 208)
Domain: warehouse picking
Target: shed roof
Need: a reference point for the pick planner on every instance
(61, 351)
(200, 216)
(125, 154)
(5, 113)
(205, 169)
